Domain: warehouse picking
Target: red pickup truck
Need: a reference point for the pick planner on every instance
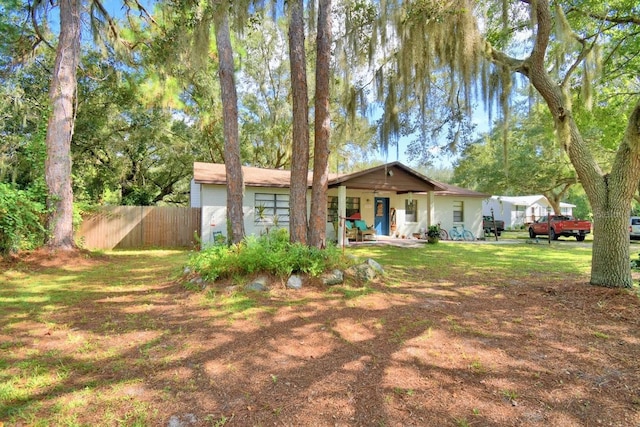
(561, 225)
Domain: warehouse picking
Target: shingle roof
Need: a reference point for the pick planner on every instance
(529, 200)
(452, 190)
(215, 173)
(522, 200)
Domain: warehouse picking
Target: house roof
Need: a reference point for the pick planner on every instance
(452, 190)
(522, 200)
(215, 173)
(394, 176)
(529, 200)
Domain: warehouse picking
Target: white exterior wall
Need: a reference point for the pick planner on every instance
(471, 214)
(508, 212)
(535, 211)
(431, 210)
(531, 207)
(194, 194)
(396, 201)
(504, 211)
(214, 211)
(404, 227)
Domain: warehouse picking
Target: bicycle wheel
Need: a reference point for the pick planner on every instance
(454, 234)
(468, 236)
(443, 234)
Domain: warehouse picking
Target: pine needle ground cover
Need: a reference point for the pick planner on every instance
(452, 335)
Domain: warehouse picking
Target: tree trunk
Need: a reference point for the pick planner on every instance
(555, 204)
(610, 195)
(318, 218)
(300, 150)
(611, 203)
(233, 165)
(60, 128)
(610, 265)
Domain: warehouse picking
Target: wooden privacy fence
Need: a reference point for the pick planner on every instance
(139, 227)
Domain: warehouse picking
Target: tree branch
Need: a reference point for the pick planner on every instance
(36, 28)
(635, 20)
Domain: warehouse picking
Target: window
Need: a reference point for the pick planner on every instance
(272, 206)
(353, 206)
(458, 211)
(411, 210)
(521, 213)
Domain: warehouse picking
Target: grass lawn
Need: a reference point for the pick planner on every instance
(452, 335)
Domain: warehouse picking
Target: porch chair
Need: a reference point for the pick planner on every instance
(363, 230)
(351, 233)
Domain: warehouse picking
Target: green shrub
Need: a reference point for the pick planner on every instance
(213, 262)
(20, 220)
(270, 253)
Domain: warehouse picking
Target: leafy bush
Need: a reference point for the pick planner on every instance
(20, 220)
(270, 253)
(433, 231)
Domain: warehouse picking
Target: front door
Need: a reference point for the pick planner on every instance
(381, 215)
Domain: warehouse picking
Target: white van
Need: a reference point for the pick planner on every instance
(634, 227)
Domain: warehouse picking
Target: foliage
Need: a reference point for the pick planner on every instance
(20, 220)
(533, 164)
(635, 263)
(23, 120)
(577, 197)
(271, 253)
(139, 153)
(266, 114)
(420, 70)
(433, 232)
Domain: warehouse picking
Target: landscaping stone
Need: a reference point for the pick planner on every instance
(336, 277)
(259, 285)
(199, 281)
(182, 420)
(361, 272)
(294, 282)
(376, 266)
(230, 289)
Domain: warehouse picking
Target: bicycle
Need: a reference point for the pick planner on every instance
(462, 234)
(443, 234)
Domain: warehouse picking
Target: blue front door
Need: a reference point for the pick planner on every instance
(381, 215)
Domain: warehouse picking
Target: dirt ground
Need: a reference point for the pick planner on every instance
(528, 352)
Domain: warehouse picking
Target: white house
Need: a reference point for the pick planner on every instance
(393, 198)
(516, 211)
